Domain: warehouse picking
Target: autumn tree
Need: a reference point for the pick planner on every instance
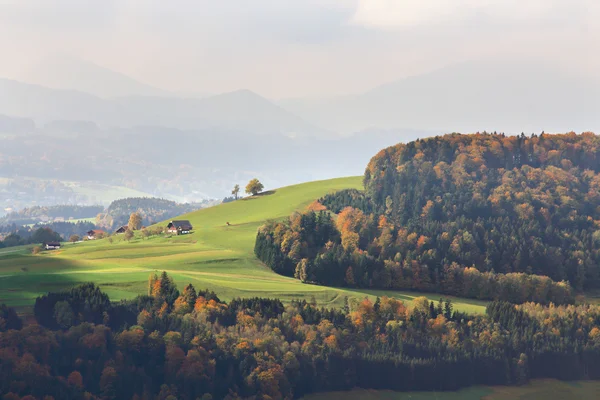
(254, 187)
(74, 238)
(135, 221)
(75, 379)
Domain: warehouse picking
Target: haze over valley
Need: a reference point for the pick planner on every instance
(189, 148)
(299, 199)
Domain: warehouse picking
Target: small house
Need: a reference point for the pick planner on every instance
(95, 234)
(181, 227)
(52, 246)
(122, 229)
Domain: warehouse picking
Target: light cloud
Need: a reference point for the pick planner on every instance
(410, 13)
(293, 47)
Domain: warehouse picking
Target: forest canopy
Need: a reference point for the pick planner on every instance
(485, 215)
(189, 345)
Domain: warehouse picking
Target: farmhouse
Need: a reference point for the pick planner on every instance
(52, 246)
(179, 227)
(95, 234)
(121, 229)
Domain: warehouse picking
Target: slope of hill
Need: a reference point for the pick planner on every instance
(513, 97)
(215, 255)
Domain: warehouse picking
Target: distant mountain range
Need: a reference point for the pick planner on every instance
(513, 97)
(241, 110)
(176, 146)
(487, 95)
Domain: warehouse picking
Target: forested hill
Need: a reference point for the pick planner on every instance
(502, 203)
(481, 215)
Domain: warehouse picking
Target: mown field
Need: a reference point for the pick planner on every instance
(214, 256)
(546, 389)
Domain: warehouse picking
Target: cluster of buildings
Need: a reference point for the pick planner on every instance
(178, 227)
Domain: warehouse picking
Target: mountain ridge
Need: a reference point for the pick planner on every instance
(467, 97)
(242, 109)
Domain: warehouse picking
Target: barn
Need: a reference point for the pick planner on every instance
(52, 246)
(181, 227)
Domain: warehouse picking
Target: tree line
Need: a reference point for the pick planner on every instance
(356, 251)
(150, 210)
(188, 344)
(33, 215)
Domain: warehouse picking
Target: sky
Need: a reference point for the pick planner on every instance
(293, 48)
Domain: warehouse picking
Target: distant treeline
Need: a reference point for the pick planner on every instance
(38, 236)
(19, 228)
(152, 210)
(190, 345)
(33, 215)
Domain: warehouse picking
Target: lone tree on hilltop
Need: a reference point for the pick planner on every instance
(254, 187)
(135, 221)
(236, 191)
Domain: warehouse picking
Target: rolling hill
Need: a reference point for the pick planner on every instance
(215, 256)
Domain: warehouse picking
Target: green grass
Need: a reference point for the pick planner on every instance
(547, 389)
(214, 256)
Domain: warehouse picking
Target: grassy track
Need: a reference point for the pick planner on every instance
(215, 256)
(546, 389)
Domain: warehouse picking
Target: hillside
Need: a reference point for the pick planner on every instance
(215, 256)
(484, 216)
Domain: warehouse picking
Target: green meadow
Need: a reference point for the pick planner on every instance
(216, 256)
(547, 389)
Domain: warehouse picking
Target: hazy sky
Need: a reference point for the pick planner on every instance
(289, 48)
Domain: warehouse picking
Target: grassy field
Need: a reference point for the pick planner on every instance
(546, 389)
(214, 256)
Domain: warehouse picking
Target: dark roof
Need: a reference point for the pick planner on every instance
(54, 244)
(181, 224)
(122, 228)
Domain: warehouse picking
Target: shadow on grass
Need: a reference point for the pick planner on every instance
(262, 194)
(22, 287)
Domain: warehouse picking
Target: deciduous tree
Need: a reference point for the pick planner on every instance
(254, 187)
(135, 221)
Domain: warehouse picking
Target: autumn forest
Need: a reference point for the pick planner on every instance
(514, 220)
